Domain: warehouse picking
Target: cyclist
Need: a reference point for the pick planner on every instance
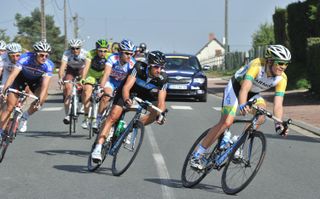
(119, 65)
(141, 52)
(259, 75)
(95, 64)
(149, 82)
(9, 60)
(2, 47)
(34, 70)
(73, 61)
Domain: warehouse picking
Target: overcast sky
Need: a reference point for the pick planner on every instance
(167, 25)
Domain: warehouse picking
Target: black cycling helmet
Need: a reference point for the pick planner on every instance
(143, 47)
(156, 58)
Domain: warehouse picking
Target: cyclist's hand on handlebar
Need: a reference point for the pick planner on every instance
(128, 102)
(37, 104)
(161, 119)
(244, 109)
(60, 82)
(3, 96)
(281, 130)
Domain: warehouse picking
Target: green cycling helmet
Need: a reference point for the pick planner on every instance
(102, 43)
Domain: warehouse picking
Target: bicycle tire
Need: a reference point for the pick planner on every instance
(9, 136)
(120, 162)
(197, 174)
(90, 121)
(71, 121)
(248, 148)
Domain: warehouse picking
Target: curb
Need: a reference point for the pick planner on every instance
(301, 124)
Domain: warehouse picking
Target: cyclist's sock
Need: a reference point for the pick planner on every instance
(25, 115)
(200, 151)
(98, 147)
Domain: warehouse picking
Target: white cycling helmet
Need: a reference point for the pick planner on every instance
(278, 52)
(42, 46)
(2, 45)
(14, 48)
(75, 43)
(127, 45)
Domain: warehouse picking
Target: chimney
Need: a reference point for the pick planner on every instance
(211, 36)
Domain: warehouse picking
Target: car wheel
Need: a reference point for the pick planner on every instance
(203, 98)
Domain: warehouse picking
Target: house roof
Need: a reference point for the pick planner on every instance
(207, 44)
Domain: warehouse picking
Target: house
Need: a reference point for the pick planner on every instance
(212, 54)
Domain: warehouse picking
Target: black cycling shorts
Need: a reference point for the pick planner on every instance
(21, 82)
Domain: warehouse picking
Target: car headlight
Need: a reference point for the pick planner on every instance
(199, 80)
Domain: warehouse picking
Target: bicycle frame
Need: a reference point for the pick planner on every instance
(135, 118)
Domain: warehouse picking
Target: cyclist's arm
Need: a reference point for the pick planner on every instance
(12, 76)
(244, 90)
(162, 99)
(278, 106)
(44, 88)
(62, 69)
(106, 74)
(86, 68)
(127, 87)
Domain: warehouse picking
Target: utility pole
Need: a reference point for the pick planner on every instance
(226, 44)
(65, 26)
(76, 26)
(43, 23)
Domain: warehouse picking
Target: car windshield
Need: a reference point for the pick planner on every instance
(182, 63)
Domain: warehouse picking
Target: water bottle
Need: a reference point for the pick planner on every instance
(121, 127)
(226, 140)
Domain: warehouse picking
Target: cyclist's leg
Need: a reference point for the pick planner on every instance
(70, 75)
(86, 95)
(11, 102)
(104, 102)
(262, 104)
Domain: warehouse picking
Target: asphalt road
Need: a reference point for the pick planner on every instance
(46, 162)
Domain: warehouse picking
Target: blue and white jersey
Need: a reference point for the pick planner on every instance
(119, 72)
(31, 70)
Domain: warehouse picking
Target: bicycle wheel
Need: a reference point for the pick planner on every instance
(9, 136)
(90, 121)
(191, 176)
(71, 116)
(244, 162)
(128, 150)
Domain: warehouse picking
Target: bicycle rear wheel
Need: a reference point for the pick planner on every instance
(191, 176)
(244, 162)
(128, 150)
(9, 136)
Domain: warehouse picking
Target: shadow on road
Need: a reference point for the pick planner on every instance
(83, 169)
(61, 134)
(294, 138)
(173, 183)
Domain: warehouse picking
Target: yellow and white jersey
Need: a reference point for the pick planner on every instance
(256, 72)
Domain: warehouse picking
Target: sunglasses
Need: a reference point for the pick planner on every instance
(157, 66)
(14, 55)
(128, 53)
(43, 55)
(73, 48)
(282, 64)
(102, 51)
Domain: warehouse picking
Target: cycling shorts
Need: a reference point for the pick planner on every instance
(230, 98)
(21, 82)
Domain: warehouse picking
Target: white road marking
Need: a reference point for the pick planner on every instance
(52, 109)
(161, 165)
(181, 107)
(217, 108)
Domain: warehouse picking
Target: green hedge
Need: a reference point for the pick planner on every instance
(313, 63)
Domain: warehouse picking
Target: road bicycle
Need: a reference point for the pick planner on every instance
(73, 105)
(93, 109)
(241, 160)
(125, 147)
(11, 131)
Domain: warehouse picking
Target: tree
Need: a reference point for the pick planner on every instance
(3, 35)
(264, 36)
(29, 32)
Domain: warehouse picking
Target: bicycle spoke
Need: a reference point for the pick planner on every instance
(244, 164)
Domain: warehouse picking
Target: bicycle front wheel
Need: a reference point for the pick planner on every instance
(244, 162)
(128, 150)
(191, 176)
